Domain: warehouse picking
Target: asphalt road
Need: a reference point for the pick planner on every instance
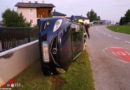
(110, 58)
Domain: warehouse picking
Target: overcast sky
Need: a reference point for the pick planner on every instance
(106, 9)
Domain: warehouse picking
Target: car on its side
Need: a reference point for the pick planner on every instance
(61, 42)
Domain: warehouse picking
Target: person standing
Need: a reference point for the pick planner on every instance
(87, 27)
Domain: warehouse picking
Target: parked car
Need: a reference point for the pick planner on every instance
(60, 41)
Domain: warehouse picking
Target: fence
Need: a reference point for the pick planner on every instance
(11, 37)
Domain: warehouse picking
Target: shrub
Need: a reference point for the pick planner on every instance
(12, 19)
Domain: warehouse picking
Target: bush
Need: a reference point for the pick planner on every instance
(92, 16)
(12, 19)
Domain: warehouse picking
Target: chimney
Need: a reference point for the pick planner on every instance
(29, 2)
(36, 2)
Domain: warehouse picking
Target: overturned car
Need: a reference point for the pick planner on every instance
(60, 41)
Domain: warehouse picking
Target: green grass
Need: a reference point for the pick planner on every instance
(122, 29)
(78, 77)
(33, 79)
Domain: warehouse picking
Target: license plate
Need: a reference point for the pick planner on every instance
(45, 49)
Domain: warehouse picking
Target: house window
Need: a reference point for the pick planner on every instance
(40, 16)
(49, 12)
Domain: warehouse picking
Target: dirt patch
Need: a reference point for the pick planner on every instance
(57, 82)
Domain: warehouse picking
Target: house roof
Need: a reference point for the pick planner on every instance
(33, 5)
(80, 17)
(55, 13)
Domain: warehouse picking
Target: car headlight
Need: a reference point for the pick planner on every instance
(57, 25)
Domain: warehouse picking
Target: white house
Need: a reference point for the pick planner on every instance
(34, 11)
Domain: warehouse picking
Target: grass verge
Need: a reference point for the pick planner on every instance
(78, 77)
(122, 29)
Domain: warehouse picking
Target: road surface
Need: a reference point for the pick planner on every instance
(110, 58)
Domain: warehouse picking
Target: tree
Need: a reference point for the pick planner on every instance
(98, 17)
(93, 16)
(126, 18)
(13, 19)
(122, 21)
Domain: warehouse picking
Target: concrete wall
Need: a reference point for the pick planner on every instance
(30, 14)
(14, 61)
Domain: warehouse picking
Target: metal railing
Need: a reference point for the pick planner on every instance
(11, 37)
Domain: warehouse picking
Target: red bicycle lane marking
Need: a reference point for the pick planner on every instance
(122, 53)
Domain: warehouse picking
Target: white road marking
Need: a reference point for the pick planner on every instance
(114, 53)
(127, 52)
(109, 35)
(127, 42)
(116, 38)
(121, 53)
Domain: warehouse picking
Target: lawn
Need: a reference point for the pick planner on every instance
(122, 29)
(78, 77)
